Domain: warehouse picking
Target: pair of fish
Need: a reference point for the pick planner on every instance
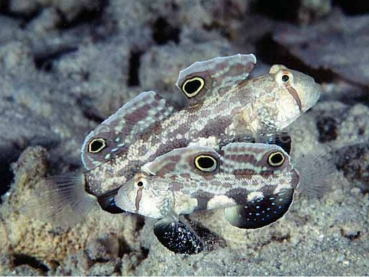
(158, 157)
(215, 103)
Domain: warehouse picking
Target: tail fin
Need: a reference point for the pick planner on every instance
(316, 169)
(61, 200)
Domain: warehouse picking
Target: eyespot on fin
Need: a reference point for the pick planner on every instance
(210, 77)
(115, 134)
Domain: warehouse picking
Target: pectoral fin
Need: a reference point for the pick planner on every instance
(61, 200)
(178, 237)
(260, 212)
(187, 237)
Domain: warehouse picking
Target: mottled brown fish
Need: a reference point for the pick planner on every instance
(254, 182)
(195, 178)
(218, 103)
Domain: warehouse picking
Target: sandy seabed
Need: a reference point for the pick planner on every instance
(67, 65)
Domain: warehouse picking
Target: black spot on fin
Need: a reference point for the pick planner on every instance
(209, 77)
(260, 212)
(211, 240)
(168, 165)
(114, 135)
(178, 237)
(60, 200)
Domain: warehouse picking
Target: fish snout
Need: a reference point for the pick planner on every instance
(307, 89)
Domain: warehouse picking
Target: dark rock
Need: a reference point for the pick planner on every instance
(338, 44)
(327, 127)
(66, 65)
(353, 161)
(353, 7)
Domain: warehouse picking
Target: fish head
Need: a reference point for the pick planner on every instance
(145, 195)
(295, 93)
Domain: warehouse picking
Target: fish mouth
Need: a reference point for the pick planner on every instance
(307, 90)
(312, 96)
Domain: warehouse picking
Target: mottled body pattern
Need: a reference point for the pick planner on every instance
(242, 174)
(162, 159)
(227, 106)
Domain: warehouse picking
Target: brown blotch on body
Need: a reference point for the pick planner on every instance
(176, 186)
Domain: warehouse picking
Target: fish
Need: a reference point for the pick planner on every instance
(253, 182)
(217, 103)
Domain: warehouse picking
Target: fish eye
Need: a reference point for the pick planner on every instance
(140, 183)
(276, 159)
(192, 87)
(96, 145)
(205, 163)
(285, 78)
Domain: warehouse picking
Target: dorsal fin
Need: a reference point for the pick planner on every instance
(253, 158)
(235, 158)
(207, 79)
(192, 159)
(121, 129)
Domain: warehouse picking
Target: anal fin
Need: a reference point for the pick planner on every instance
(260, 212)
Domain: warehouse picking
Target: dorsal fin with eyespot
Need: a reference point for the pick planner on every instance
(234, 158)
(211, 78)
(252, 158)
(193, 160)
(115, 134)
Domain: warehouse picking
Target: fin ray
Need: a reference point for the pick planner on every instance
(316, 170)
(60, 200)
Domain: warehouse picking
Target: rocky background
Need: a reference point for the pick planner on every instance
(66, 65)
